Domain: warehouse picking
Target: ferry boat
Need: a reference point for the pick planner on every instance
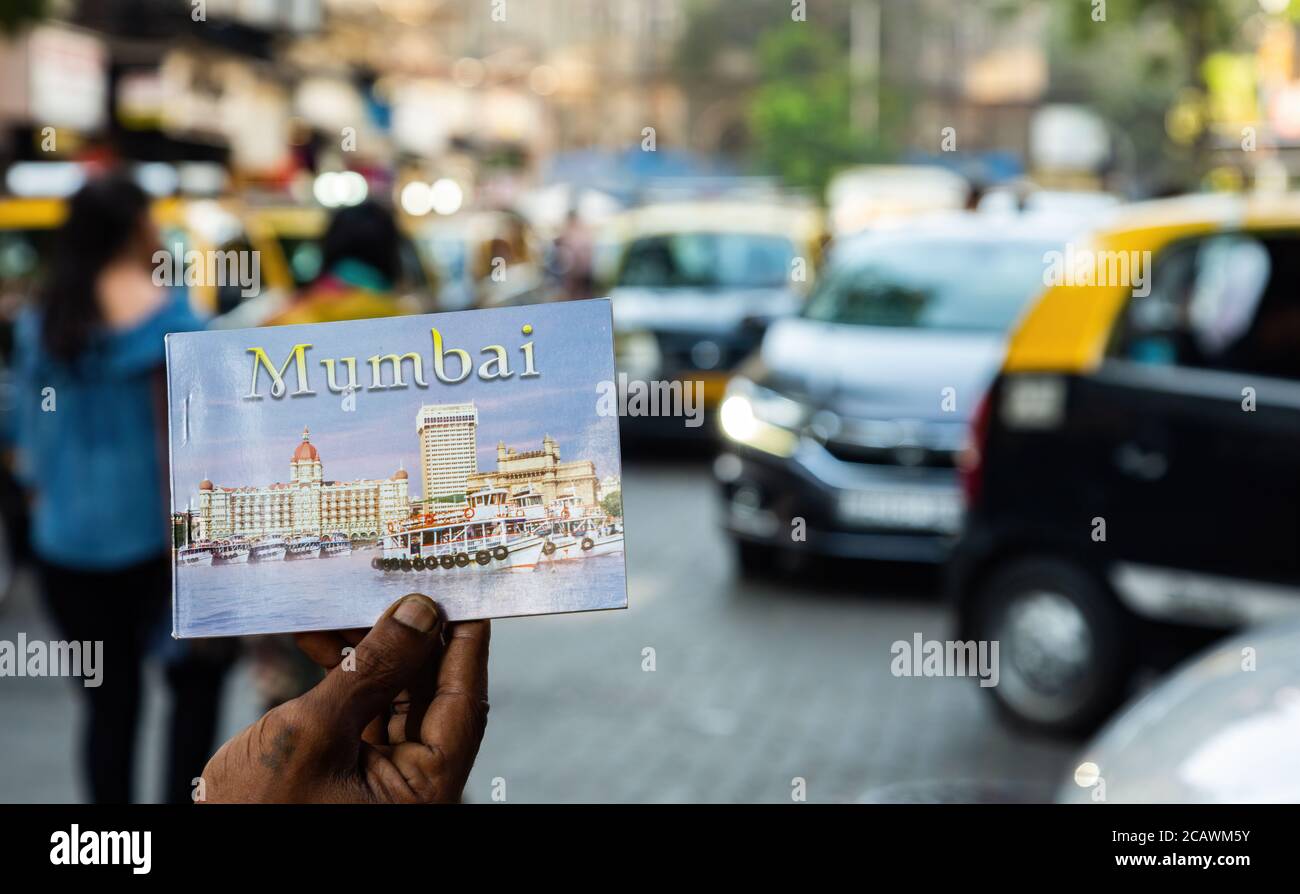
(497, 530)
(608, 543)
(305, 547)
(232, 552)
(336, 544)
(584, 544)
(486, 534)
(269, 549)
(194, 554)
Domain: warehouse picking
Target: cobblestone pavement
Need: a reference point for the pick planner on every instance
(754, 684)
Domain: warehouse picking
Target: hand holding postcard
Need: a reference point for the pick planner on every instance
(319, 472)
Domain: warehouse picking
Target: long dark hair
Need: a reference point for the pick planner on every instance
(104, 218)
(366, 233)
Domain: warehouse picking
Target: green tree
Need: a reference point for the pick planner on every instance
(801, 115)
(1141, 63)
(613, 503)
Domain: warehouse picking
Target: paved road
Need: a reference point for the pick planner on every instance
(754, 684)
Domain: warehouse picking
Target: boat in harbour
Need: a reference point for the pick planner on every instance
(232, 552)
(460, 540)
(336, 544)
(495, 530)
(306, 546)
(583, 544)
(194, 554)
(269, 549)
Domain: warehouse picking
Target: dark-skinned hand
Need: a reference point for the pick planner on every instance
(398, 720)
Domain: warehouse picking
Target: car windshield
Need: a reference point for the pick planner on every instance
(708, 260)
(933, 284)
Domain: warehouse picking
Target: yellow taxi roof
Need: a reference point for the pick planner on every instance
(1210, 211)
(32, 214)
(1067, 328)
(288, 220)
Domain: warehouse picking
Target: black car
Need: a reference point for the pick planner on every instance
(1134, 481)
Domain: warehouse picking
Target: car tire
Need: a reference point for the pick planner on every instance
(1065, 653)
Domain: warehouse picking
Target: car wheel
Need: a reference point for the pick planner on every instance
(1064, 645)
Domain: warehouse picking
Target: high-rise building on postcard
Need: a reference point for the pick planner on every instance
(448, 447)
(261, 548)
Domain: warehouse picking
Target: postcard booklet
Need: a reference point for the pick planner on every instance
(319, 472)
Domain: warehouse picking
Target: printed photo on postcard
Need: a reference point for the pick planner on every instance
(319, 472)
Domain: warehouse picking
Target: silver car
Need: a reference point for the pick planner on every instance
(851, 416)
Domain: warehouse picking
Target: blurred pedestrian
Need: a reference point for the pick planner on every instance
(573, 252)
(90, 432)
(361, 265)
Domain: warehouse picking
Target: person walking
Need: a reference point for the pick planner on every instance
(90, 436)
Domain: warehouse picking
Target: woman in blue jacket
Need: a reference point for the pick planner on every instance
(91, 439)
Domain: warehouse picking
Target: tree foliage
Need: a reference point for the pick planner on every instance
(801, 115)
(613, 503)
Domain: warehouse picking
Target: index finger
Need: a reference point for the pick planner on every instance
(457, 716)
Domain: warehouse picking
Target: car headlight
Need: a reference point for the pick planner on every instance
(761, 418)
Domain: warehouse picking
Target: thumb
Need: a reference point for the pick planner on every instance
(397, 648)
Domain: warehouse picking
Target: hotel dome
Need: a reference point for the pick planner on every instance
(305, 452)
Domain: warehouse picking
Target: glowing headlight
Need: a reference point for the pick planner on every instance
(761, 418)
(737, 417)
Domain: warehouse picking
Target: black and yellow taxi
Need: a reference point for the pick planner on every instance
(1133, 476)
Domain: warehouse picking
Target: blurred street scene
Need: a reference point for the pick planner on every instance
(754, 684)
(936, 324)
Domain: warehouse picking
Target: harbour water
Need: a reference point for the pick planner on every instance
(343, 592)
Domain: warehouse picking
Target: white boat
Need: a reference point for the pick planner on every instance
(195, 554)
(609, 544)
(232, 552)
(493, 544)
(269, 549)
(583, 545)
(336, 545)
(305, 547)
(470, 554)
(497, 530)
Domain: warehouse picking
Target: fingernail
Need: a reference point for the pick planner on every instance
(416, 614)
